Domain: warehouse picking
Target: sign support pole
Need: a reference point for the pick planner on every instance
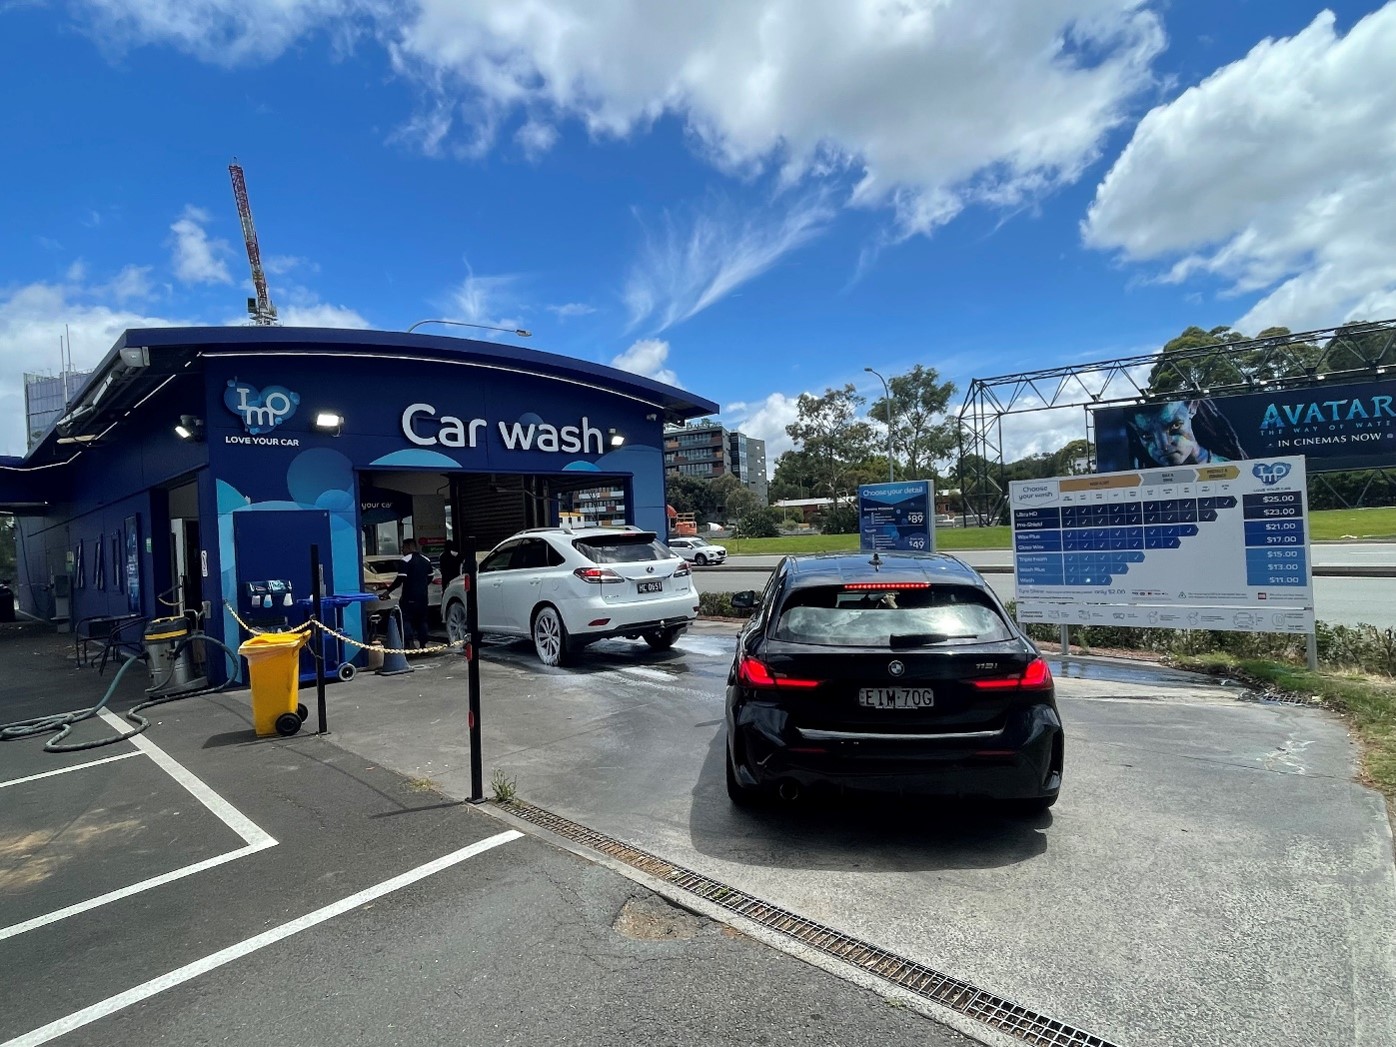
(1066, 640)
(317, 591)
(472, 673)
(1312, 651)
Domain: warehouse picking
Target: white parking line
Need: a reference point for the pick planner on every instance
(221, 808)
(65, 770)
(145, 990)
(253, 837)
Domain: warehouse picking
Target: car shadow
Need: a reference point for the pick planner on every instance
(857, 832)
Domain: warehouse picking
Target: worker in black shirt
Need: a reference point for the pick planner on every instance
(414, 574)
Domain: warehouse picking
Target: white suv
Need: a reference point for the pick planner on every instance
(565, 587)
(698, 550)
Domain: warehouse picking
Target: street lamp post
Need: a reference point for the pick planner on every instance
(888, 391)
(483, 327)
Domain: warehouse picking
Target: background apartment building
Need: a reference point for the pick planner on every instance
(708, 449)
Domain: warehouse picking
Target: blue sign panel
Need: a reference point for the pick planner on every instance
(897, 516)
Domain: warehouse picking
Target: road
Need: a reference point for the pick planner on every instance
(1211, 874)
(1337, 600)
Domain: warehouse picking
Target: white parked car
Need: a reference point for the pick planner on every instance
(698, 550)
(566, 587)
(381, 571)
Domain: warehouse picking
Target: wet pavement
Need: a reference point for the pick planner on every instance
(1211, 873)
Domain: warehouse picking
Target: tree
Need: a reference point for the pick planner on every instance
(829, 430)
(710, 498)
(760, 522)
(794, 476)
(740, 502)
(923, 433)
(1175, 373)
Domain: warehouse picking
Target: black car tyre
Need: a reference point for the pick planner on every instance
(740, 795)
(550, 638)
(701, 560)
(455, 622)
(1028, 808)
(661, 639)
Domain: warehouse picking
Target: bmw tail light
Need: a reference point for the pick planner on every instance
(1036, 677)
(597, 575)
(752, 672)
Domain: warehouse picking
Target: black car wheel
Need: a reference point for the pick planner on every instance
(1029, 808)
(740, 795)
(661, 639)
(701, 560)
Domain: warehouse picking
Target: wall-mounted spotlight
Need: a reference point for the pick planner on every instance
(190, 428)
(617, 437)
(329, 422)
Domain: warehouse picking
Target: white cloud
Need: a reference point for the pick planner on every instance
(196, 258)
(689, 264)
(489, 301)
(221, 32)
(536, 138)
(926, 106)
(766, 420)
(1276, 174)
(283, 264)
(570, 309)
(133, 282)
(647, 358)
(322, 314)
(32, 318)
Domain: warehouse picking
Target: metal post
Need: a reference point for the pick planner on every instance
(317, 637)
(1312, 646)
(472, 672)
(1066, 640)
(887, 391)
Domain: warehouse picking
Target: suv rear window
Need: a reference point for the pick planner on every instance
(622, 548)
(900, 618)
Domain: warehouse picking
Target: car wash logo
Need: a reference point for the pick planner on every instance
(1269, 474)
(263, 411)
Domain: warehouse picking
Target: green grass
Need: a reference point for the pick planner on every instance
(1367, 702)
(948, 539)
(1325, 525)
(1329, 524)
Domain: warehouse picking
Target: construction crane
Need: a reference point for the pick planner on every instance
(261, 310)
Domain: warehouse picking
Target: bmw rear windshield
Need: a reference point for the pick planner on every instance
(626, 547)
(848, 616)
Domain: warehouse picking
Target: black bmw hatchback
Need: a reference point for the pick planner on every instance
(893, 672)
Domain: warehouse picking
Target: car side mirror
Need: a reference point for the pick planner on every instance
(746, 599)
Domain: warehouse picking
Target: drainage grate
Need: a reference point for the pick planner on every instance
(995, 1011)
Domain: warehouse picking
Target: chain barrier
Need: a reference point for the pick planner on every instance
(315, 623)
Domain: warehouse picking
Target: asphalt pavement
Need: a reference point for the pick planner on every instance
(1212, 874)
(367, 908)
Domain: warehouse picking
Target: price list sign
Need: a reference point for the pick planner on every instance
(897, 516)
(1220, 546)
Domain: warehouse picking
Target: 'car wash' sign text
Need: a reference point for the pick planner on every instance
(425, 428)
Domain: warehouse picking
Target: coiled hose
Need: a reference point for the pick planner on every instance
(64, 723)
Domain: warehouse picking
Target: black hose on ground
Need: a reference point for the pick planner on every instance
(64, 723)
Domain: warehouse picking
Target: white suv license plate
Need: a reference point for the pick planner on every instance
(896, 697)
(650, 587)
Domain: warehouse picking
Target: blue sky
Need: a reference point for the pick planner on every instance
(753, 198)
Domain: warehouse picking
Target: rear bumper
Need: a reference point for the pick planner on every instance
(637, 628)
(1022, 761)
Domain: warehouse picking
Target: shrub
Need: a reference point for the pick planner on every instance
(719, 605)
(839, 519)
(760, 523)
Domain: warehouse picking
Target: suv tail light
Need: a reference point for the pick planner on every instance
(1036, 677)
(597, 575)
(752, 672)
(682, 569)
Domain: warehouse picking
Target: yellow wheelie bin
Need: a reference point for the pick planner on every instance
(273, 665)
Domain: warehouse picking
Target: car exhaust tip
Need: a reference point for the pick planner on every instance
(789, 791)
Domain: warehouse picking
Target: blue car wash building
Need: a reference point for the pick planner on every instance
(196, 461)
